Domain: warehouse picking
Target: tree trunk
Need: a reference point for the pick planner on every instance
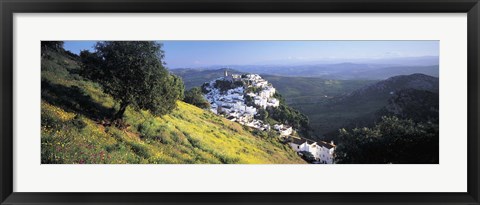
(119, 114)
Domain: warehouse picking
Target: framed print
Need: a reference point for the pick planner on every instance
(254, 102)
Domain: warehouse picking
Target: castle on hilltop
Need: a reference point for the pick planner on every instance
(231, 77)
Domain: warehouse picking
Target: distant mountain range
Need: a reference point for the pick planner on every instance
(385, 72)
(371, 69)
(343, 71)
(392, 61)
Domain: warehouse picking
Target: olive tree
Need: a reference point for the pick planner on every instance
(133, 73)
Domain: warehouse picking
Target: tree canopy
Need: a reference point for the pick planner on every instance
(262, 114)
(53, 45)
(392, 140)
(195, 97)
(288, 115)
(133, 73)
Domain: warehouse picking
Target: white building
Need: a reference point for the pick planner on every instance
(260, 101)
(284, 130)
(323, 152)
(236, 76)
(273, 102)
(251, 110)
(260, 83)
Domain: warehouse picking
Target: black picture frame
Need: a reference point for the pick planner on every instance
(10, 7)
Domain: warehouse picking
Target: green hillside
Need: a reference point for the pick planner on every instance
(313, 90)
(312, 96)
(76, 128)
(364, 106)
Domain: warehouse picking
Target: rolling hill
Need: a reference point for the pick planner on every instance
(384, 73)
(75, 128)
(383, 89)
(362, 106)
(418, 105)
(301, 90)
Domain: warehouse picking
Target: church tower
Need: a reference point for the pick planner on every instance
(225, 72)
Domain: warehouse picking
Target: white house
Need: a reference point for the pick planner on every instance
(323, 152)
(260, 83)
(273, 102)
(284, 130)
(327, 152)
(236, 76)
(262, 102)
(251, 110)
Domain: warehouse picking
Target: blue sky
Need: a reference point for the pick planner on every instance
(181, 54)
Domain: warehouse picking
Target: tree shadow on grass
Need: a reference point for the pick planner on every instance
(74, 99)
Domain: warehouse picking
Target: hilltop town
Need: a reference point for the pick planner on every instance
(239, 98)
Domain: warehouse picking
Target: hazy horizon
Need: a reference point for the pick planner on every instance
(205, 54)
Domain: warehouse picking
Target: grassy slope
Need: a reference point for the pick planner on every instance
(71, 133)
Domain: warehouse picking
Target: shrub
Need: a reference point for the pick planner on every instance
(195, 97)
